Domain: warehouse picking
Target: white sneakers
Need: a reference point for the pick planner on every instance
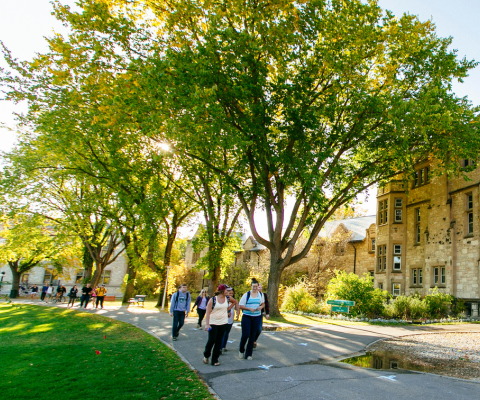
(249, 358)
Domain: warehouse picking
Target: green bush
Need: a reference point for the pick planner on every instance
(438, 303)
(297, 298)
(368, 300)
(407, 307)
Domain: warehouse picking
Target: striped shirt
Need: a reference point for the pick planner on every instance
(253, 302)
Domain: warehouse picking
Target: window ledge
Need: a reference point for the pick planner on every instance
(415, 287)
(398, 223)
(470, 235)
(438, 286)
(396, 271)
(417, 244)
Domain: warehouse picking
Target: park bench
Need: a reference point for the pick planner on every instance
(109, 298)
(137, 300)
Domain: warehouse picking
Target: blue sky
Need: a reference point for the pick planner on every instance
(24, 24)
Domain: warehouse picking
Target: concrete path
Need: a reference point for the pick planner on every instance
(301, 363)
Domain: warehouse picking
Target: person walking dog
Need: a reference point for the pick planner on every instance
(251, 305)
(179, 307)
(201, 303)
(216, 321)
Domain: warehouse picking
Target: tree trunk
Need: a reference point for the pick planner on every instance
(213, 281)
(273, 286)
(15, 280)
(131, 275)
(97, 274)
(167, 257)
(87, 265)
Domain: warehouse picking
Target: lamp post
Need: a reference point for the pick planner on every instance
(166, 285)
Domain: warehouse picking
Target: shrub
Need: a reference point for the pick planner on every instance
(407, 307)
(368, 301)
(438, 303)
(297, 298)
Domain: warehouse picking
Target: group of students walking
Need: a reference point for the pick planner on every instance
(219, 313)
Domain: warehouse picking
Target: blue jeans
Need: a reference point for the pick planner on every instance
(225, 336)
(259, 329)
(178, 321)
(250, 327)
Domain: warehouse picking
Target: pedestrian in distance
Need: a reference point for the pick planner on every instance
(179, 308)
(72, 295)
(34, 291)
(44, 291)
(86, 290)
(265, 312)
(251, 305)
(100, 292)
(61, 290)
(94, 296)
(201, 303)
(49, 293)
(216, 321)
(231, 317)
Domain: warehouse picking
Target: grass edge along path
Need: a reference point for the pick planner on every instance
(305, 320)
(49, 352)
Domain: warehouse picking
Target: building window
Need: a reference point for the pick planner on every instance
(372, 273)
(247, 255)
(382, 257)
(398, 210)
(195, 257)
(468, 163)
(373, 244)
(105, 278)
(396, 289)
(417, 225)
(469, 214)
(421, 177)
(340, 249)
(380, 286)
(24, 278)
(383, 212)
(417, 277)
(50, 276)
(397, 258)
(79, 277)
(439, 276)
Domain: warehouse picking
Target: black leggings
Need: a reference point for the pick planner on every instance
(100, 300)
(201, 315)
(72, 300)
(215, 337)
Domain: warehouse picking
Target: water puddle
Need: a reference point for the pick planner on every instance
(387, 360)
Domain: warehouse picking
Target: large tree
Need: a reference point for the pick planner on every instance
(314, 101)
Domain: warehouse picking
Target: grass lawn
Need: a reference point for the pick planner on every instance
(49, 353)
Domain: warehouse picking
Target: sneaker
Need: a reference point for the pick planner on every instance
(249, 358)
(174, 338)
(241, 355)
(224, 350)
(254, 345)
(198, 326)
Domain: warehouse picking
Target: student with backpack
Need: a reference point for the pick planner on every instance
(201, 304)
(265, 312)
(179, 307)
(251, 305)
(231, 317)
(216, 321)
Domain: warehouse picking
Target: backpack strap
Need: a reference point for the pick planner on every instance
(214, 302)
(248, 297)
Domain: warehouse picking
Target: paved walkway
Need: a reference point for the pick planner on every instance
(301, 363)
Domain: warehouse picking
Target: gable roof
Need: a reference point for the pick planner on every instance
(358, 226)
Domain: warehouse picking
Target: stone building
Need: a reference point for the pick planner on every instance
(354, 241)
(112, 277)
(427, 234)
